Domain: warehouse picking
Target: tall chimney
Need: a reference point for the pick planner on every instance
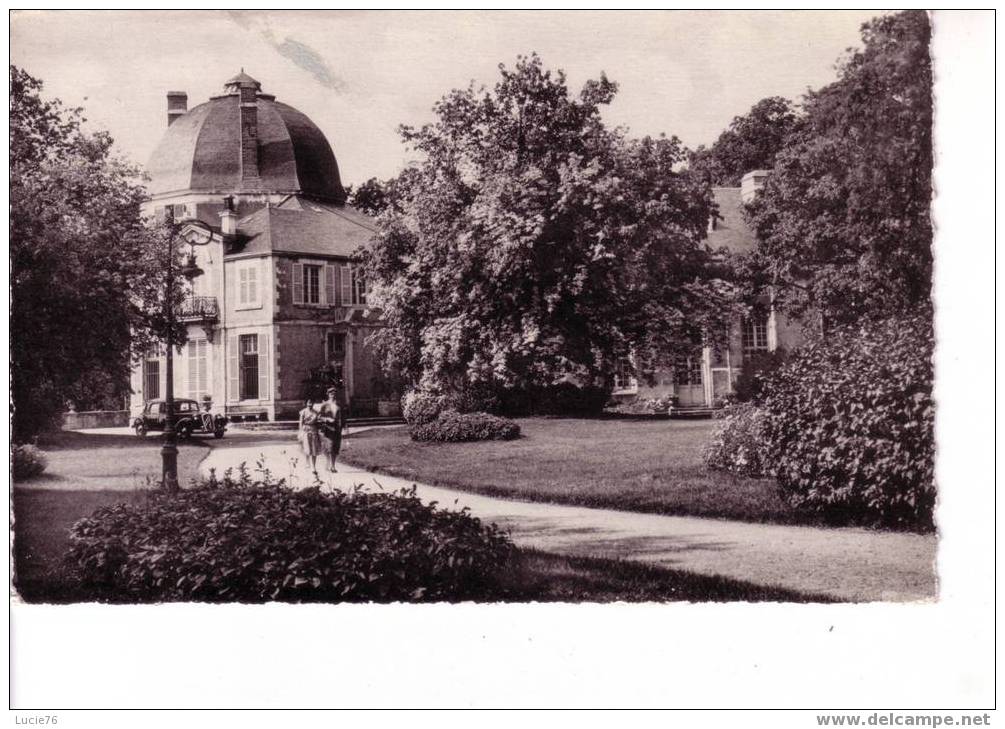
(751, 183)
(249, 133)
(228, 217)
(177, 105)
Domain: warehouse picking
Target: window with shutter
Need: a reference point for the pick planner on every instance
(345, 285)
(198, 370)
(331, 297)
(263, 367)
(298, 283)
(233, 370)
(242, 286)
(253, 284)
(192, 368)
(248, 288)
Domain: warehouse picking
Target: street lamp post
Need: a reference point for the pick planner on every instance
(201, 234)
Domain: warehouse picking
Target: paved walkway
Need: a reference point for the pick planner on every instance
(849, 564)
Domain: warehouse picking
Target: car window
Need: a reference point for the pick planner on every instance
(154, 408)
(186, 407)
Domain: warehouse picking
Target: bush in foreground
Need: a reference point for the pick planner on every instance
(27, 461)
(737, 444)
(235, 540)
(849, 424)
(454, 427)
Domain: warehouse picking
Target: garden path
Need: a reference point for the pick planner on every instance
(847, 563)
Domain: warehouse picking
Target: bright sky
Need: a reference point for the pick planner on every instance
(359, 74)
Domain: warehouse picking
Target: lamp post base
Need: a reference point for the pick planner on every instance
(169, 461)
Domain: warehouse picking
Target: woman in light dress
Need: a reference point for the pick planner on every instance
(310, 434)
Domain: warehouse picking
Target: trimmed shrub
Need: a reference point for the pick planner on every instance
(234, 540)
(421, 407)
(737, 444)
(849, 424)
(27, 461)
(454, 427)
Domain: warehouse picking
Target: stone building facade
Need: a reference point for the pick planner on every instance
(280, 311)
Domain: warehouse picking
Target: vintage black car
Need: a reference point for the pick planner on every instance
(187, 418)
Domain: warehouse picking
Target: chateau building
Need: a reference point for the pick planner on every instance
(279, 312)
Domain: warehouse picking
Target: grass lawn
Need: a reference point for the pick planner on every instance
(85, 472)
(650, 466)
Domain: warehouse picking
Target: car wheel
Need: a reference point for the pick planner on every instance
(184, 432)
(218, 433)
(141, 430)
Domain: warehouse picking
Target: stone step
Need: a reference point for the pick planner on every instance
(693, 412)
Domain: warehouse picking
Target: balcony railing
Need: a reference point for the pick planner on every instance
(199, 308)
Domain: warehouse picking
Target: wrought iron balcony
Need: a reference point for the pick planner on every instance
(199, 308)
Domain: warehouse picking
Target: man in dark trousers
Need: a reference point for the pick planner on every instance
(332, 422)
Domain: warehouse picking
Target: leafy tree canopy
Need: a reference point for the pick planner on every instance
(533, 244)
(844, 220)
(750, 143)
(86, 272)
(370, 197)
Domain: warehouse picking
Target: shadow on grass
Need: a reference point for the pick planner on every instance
(543, 577)
(42, 521)
(68, 440)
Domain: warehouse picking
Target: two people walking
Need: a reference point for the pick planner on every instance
(321, 426)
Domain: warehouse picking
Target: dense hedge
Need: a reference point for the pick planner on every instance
(849, 424)
(234, 540)
(562, 399)
(737, 443)
(454, 427)
(27, 461)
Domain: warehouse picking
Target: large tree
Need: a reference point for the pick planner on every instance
(533, 244)
(86, 272)
(750, 143)
(844, 221)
